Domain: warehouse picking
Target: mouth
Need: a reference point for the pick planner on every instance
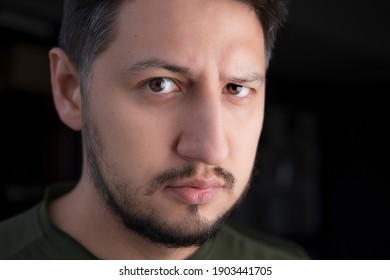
(195, 192)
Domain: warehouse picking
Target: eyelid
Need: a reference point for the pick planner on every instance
(147, 80)
(144, 85)
(179, 87)
(249, 90)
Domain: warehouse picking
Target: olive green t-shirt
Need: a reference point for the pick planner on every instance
(32, 235)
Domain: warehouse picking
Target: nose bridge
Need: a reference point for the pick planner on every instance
(204, 136)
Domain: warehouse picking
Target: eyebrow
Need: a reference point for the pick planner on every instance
(251, 77)
(156, 63)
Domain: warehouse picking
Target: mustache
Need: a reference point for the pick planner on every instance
(171, 175)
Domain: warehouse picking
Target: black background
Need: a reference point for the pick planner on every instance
(323, 157)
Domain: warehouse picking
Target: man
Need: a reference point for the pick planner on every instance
(169, 98)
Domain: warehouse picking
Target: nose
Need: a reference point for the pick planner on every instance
(204, 138)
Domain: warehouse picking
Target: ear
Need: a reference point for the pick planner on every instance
(66, 88)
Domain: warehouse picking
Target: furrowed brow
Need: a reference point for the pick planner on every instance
(154, 64)
(248, 79)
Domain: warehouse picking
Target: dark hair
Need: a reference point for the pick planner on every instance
(88, 26)
(271, 14)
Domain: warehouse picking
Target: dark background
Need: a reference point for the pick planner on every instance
(323, 158)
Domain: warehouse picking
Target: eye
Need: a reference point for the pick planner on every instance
(162, 85)
(237, 90)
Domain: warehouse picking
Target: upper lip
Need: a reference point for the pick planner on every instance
(197, 183)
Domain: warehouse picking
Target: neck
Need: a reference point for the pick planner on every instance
(83, 215)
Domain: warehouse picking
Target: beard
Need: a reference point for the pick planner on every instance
(121, 199)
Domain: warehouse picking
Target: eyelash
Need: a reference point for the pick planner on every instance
(164, 80)
(146, 85)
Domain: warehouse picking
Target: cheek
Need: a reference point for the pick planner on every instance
(244, 138)
(135, 144)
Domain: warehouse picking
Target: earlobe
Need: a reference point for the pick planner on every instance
(66, 88)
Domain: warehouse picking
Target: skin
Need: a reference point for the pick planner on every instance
(212, 45)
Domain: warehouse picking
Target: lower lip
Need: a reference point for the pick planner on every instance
(191, 195)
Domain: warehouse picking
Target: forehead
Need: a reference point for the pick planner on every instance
(143, 15)
(176, 9)
(190, 31)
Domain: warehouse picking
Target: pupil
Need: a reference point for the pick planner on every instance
(157, 84)
(234, 88)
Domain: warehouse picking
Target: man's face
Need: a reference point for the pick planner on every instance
(175, 110)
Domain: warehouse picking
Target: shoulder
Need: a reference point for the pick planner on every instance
(32, 235)
(19, 233)
(234, 243)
